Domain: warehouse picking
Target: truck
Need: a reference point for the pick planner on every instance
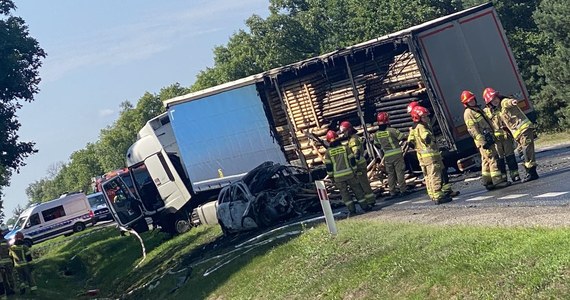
(210, 139)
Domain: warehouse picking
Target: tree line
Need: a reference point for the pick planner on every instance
(299, 29)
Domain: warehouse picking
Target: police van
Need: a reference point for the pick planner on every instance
(70, 213)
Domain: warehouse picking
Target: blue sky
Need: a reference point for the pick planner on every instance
(101, 53)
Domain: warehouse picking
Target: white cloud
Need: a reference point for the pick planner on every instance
(106, 112)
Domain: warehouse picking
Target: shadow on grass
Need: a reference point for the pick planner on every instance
(202, 271)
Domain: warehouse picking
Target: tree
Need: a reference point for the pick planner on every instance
(554, 101)
(20, 60)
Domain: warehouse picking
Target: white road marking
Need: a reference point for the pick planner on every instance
(513, 196)
(479, 198)
(403, 202)
(422, 201)
(472, 179)
(553, 194)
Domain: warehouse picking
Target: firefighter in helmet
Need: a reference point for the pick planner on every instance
(519, 125)
(504, 142)
(481, 129)
(340, 164)
(22, 257)
(444, 175)
(361, 172)
(421, 137)
(388, 140)
(6, 266)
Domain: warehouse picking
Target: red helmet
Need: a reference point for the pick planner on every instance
(19, 236)
(412, 105)
(345, 126)
(489, 94)
(418, 112)
(383, 118)
(331, 136)
(466, 96)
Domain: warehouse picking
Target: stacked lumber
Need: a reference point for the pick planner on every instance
(312, 102)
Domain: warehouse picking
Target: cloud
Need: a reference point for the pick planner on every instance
(106, 112)
(138, 41)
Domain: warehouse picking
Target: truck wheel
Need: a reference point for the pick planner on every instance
(79, 226)
(179, 223)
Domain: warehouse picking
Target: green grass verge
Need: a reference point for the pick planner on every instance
(546, 139)
(367, 260)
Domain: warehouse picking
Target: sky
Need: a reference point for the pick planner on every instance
(101, 53)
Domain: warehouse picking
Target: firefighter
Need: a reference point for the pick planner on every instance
(519, 125)
(6, 266)
(504, 142)
(22, 257)
(388, 140)
(340, 164)
(422, 138)
(481, 130)
(444, 176)
(361, 171)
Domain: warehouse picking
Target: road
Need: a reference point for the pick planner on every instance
(547, 198)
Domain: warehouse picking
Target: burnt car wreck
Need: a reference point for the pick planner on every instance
(266, 195)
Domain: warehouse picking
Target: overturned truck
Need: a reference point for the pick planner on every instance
(212, 138)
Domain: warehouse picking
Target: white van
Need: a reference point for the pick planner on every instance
(68, 214)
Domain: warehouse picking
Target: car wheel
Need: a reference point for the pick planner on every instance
(79, 226)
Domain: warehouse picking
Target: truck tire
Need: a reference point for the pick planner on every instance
(178, 223)
(79, 226)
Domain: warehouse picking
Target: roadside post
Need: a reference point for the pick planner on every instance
(326, 205)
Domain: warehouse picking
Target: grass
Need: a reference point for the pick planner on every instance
(367, 260)
(546, 139)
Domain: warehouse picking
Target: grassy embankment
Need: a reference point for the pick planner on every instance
(367, 260)
(552, 138)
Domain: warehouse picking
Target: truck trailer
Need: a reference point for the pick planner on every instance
(209, 139)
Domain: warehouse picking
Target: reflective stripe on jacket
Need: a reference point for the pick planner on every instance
(338, 161)
(20, 254)
(494, 115)
(389, 141)
(513, 117)
(419, 136)
(477, 124)
(357, 149)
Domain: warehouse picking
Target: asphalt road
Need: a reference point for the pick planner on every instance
(551, 189)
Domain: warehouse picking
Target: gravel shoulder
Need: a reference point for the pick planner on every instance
(549, 158)
(549, 217)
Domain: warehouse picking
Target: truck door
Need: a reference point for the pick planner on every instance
(124, 206)
(467, 52)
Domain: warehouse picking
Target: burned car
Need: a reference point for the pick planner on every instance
(266, 195)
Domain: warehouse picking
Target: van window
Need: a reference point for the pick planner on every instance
(53, 213)
(34, 220)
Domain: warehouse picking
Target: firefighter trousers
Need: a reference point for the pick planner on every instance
(354, 185)
(506, 151)
(26, 278)
(396, 169)
(432, 169)
(362, 176)
(7, 278)
(490, 172)
(526, 142)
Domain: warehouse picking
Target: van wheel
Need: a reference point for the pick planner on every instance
(28, 242)
(79, 226)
